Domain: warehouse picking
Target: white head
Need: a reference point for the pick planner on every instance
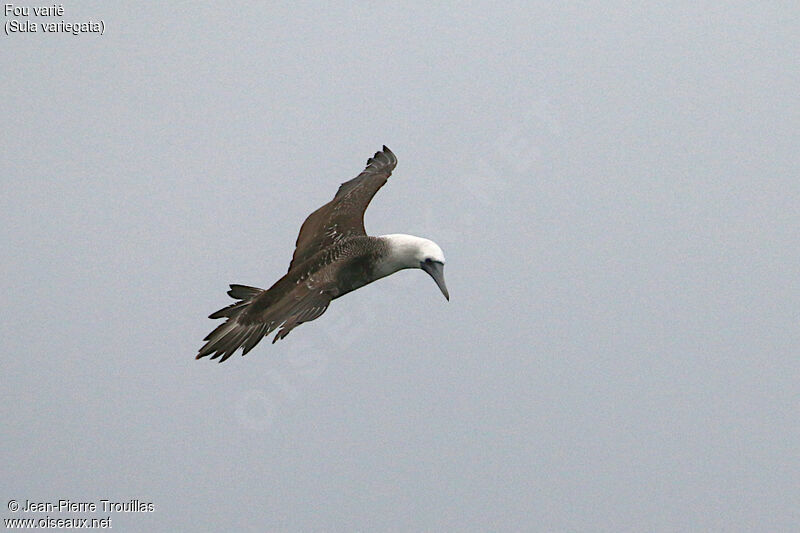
(407, 251)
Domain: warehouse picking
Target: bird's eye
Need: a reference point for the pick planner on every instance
(429, 260)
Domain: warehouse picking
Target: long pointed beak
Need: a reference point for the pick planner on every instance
(436, 271)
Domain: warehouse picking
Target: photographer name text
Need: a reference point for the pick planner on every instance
(69, 506)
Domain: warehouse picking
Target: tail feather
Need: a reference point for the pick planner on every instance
(228, 336)
(239, 292)
(250, 343)
(253, 317)
(228, 311)
(243, 292)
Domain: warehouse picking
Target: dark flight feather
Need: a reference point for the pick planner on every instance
(343, 216)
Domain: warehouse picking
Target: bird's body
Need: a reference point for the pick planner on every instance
(334, 256)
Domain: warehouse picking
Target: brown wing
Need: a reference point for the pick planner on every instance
(344, 215)
(248, 322)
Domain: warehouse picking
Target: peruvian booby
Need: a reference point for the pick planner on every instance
(333, 256)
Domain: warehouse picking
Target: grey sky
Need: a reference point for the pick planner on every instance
(616, 191)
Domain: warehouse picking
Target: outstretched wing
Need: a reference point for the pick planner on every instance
(256, 315)
(344, 215)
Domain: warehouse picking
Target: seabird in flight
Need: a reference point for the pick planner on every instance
(333, 256)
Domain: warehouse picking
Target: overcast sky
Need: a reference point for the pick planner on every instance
(616, 191)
